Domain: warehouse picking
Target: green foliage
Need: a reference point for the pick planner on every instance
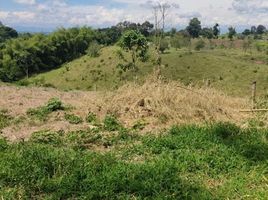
(194, 28)
(216, 30)
(207, 33)
(231, 33)
(7, 33)
(164, 45)
(73, 119)
(111, 123)
(5, 120)
(46, 137)
(219, 161)
(91, 117)
(42, 112)
(136, 43)
(94, 49)
(25, 56)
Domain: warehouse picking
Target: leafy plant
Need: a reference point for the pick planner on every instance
(91, 117)
(42, 112)
(73, 119)
(46, 137)
(111, 123)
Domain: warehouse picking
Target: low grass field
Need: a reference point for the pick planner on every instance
(218, 161)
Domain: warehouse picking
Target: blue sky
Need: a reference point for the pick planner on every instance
(45, 15)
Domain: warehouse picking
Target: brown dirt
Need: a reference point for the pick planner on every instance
(157, 103)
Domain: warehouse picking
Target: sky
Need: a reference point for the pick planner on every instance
(47, 15)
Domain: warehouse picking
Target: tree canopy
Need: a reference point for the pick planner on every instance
(194, 27)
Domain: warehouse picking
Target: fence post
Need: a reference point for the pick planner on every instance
(254, 86)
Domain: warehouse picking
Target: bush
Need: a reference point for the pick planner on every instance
(164, 45)
(73, 119)
(46, 137)
(94, 49)
(42, 112)
(111, 123)
(91, 117)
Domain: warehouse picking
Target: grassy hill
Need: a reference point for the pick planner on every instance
(230, 70)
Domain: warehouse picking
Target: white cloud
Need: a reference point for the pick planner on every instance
(28, 2)
(55, 13)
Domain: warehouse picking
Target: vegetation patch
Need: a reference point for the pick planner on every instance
(185, 162)
(73, 119)
(42, 112)
(5, 120)
(111, 123)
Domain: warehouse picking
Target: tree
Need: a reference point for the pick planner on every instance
(260, 29)
(231, 33)
(7, 33)
(136, 43)
(194, 28)
(216, 30)
(173, 31)
(146, 28)
(207, 33)
(253, 30)
(246, 32)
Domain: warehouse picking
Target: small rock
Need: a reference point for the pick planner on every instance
(141, 103)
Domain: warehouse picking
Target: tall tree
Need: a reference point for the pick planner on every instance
(194, 28)
(253, 30)
(231, 33)
(260, 29)
(216, 30)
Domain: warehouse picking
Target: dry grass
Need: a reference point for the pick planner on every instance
(156, 103)
(163, 104)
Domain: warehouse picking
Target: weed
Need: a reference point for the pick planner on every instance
(73, 119)
(42, 112)
(46, 137)
(111, 123)
(91, 117)
(5, 120)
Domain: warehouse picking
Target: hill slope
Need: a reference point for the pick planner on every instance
(230, 70)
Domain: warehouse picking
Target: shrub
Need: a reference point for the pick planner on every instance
(164, 45)
(94, 49)
(73, 119)
(42, 112)
(111, 123)
(46, 137)
(91, 117)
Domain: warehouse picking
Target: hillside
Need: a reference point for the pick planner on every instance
(229, 70)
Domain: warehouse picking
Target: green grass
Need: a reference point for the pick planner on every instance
(87, 73)
(219, 161)
(230, 70)
(5, 119)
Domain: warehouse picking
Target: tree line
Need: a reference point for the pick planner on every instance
(22, 55)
